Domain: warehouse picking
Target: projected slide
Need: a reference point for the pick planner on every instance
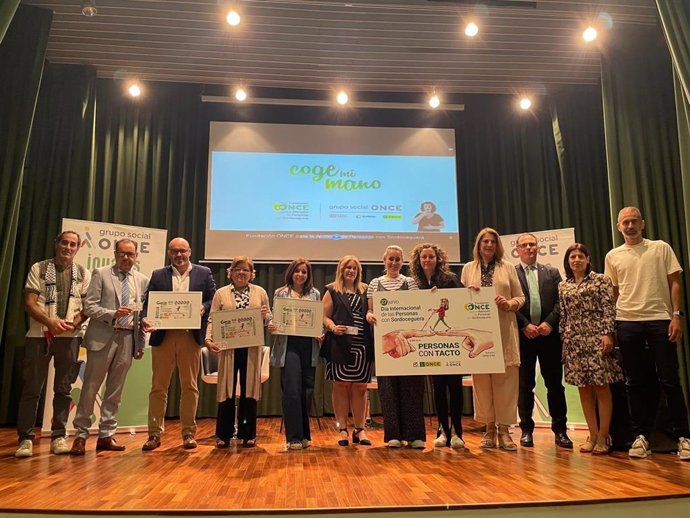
(275, 205)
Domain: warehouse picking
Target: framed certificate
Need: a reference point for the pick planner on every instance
(298, 317)
(235, 328)
(175, 309)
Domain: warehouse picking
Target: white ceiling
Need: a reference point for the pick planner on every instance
(389, 46)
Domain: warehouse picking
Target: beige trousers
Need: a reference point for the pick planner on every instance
(495, 396)
(178, 349)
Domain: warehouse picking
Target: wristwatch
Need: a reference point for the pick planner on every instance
(678, 313)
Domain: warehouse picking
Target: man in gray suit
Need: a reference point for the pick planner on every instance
(113, 337)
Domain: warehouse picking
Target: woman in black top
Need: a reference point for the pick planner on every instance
(429, 268)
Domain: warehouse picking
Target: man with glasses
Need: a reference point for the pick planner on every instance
(539, 340)
(179, 348)
(113, 337)
(53, 298)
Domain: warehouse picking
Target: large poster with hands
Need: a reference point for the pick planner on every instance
(449, 331)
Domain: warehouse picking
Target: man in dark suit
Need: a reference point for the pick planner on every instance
(539, 340)
(112, 339)
(179, 348)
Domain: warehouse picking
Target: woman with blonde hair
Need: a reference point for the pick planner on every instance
(402, 397)
(496, 395)
(348, 347)
(244, 363)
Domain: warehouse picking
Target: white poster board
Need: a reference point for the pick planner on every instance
(448, 331)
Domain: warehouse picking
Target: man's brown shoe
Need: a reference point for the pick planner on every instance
(78, 446)
(153, 442)
(108, 444)
(188, 442)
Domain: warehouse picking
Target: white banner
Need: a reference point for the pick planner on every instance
(97, 250)
(552, 247)
(448, 331)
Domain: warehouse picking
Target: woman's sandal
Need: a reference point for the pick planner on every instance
(249, 443)
(602, 448)
(588, 445)
(357, 440)
(345, 441)
(221, 444)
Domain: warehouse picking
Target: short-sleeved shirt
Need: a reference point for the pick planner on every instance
(36, 283)
(640, 272)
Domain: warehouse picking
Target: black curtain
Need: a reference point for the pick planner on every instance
(21, 66)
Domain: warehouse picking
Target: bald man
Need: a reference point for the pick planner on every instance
(179, 348)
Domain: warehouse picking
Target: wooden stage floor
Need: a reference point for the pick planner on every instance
(323, 477)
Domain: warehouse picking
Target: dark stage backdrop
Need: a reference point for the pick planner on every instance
(96, 154)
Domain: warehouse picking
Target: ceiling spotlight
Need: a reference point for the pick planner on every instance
(88, 8)
(241, 94)
(472, 29)
(233, 18)
(525, 103)
(589, 34)
(434, 101)
(342, 97)
(134, 90)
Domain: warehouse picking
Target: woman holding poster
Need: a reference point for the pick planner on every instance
(349, 347)
(587, 327)
(495, 395)
(402, 397)
(429, 268)
(297, 356)
(244, 363)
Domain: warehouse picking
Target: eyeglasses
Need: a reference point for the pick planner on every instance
(240, 270)
(178, 251)
(527, 245)
(122, 255)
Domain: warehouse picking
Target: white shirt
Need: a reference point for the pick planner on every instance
(180, 281)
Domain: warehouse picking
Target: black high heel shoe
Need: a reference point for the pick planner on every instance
(357, 440)
(343, 442)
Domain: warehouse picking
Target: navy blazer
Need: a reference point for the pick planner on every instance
(548, 278)
(200, 279)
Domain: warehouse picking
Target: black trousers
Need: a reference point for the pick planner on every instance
(402, 404)
(297, 380)
(246, 416)
(448, 396)
(547, 350)
(650, 359)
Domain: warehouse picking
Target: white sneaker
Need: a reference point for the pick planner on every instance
(26, 449)
(417, 444)
(684, 448)
(394, 443)
(456, 442)
(295, 445)
(441, 441)
(639, 448)
(58, 446)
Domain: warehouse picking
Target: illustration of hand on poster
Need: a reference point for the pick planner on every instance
(451, 331)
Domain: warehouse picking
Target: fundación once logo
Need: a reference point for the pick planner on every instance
(473, 306)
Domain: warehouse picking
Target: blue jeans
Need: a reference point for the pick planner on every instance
(649, 358)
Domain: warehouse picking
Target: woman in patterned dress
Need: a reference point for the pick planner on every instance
(402, 397)
(588, 314)
(243, 363)
(349, 353)
(297, 356)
